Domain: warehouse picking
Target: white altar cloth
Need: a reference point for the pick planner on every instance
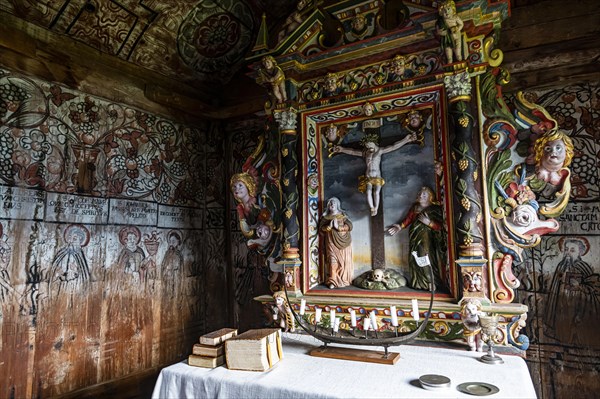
(300, 375)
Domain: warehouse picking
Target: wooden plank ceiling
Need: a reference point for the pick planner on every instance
(155, 54)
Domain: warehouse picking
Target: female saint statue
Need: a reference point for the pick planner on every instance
(336, 228)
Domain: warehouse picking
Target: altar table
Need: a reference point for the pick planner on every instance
(299, 375)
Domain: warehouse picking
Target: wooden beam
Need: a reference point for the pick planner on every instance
(33, 50)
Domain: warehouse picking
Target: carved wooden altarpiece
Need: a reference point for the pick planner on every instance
(347, 73)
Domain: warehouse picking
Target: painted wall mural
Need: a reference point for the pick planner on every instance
(560, 279)
(112, 226)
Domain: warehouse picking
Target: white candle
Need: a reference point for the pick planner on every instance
(366, 323)
(317, 315)
(331, 318)
(352, 317)
(373, 320)
(394, 316)
(336, 325)
(302, 307)
(415, 309)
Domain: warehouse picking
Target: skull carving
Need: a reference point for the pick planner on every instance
(378, 275)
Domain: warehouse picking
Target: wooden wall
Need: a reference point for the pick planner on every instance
(112, 239)
(560, 279)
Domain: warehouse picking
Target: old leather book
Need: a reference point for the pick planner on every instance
(218, 337)
(208, 350)
(205, 361)
(254, 350)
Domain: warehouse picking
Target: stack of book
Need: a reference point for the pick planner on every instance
(210, 352)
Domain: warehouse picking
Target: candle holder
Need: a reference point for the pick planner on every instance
(489, 325)
(387, 339)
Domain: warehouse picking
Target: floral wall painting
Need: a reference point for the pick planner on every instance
(103, 233)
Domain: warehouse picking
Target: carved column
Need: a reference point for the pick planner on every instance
(466, 180)
(289, 162)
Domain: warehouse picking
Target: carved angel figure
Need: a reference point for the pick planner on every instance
(469, 314)
(449, 27)
(273, 77)
(282, 313)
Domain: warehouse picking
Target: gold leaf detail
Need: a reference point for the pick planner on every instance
(284, 152)
(288, 213)
(463, 164)
(286, 182)
(463, 121)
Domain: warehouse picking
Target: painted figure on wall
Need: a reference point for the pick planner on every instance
(69, 265)
(449, 27)
(574, 296)
(172, 263)
(273, 77)
(372, 181)
(426, 238)
(132, 255)
(336, 227)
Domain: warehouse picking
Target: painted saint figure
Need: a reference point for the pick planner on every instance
(425, 237)
(132, 255)
(69, 265)
(572, 310)
(172, 263)
(372, 181)
(336, 227)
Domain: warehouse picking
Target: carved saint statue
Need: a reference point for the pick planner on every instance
(336, 227)
(426, 237)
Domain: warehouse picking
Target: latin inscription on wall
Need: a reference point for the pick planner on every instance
(76, 209)
(21, 203)
(174, 217)
(31, 204)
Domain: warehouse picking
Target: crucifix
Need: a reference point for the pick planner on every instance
(372, 181)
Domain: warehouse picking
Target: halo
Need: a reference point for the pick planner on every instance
(77, 228)
(563, 241)
(129, 229)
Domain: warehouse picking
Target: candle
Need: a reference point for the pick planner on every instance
(317, 315)
(366, 323)
(415, 309)
(352, 318)
(331, 318)
(394, 316)
(336, 325)
(302, 307)
(373, 320)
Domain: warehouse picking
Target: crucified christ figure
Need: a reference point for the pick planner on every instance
(372, 181)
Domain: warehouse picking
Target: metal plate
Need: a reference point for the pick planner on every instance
(478, 388)
(434, 381)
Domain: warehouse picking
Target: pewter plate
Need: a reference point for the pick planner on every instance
(478, 388)
(435, 381)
